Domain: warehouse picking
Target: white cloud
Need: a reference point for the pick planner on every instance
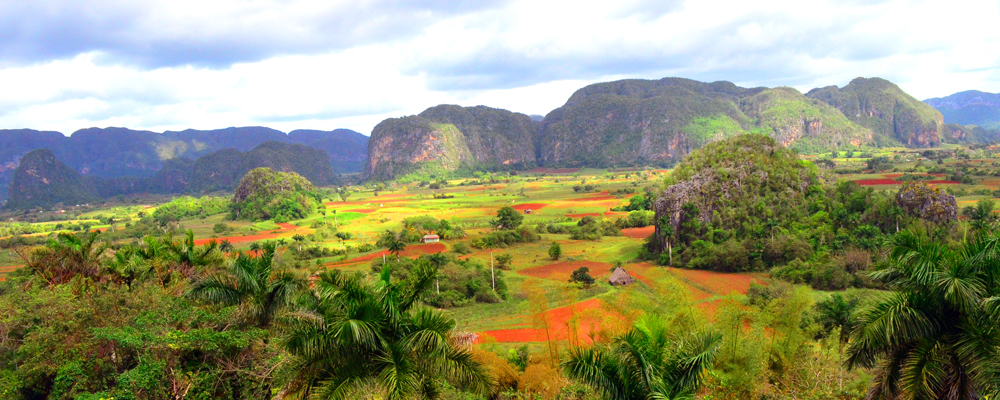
(319, 65)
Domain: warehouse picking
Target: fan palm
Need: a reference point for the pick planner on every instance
(251, 283)
(191, 256)
(69, 255)
(226, 246)
(394, 243)
(366, 339)
(647, 362)
(936, 337)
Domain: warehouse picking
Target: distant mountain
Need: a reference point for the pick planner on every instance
(42, 181)
(887, 110)
(449, 137)
(223, 169)
(970, 107)
(644, 122)
(122, 152)
(348, 149)
(638, 122)
(955, 133)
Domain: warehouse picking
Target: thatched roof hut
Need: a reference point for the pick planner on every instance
(620, 278)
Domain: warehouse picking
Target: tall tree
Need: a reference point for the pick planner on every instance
(363, 339)
(936, 337)
(647, 362)
(251, 283)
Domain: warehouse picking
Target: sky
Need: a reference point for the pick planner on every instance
(321, 64)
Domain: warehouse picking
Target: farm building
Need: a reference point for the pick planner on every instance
(620, 278)
(431, 239)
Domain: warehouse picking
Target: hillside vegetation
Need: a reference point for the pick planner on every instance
(887, 110)
(266, 194)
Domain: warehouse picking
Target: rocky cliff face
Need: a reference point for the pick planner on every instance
(883, 107)
(796, 121)
(730, 181)
(447, 137)
(42, 181)
(400, 146)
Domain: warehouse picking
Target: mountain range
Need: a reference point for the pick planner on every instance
(121, 152)
(970, 107)
(41, 180)
(639, 122)
(630, 122)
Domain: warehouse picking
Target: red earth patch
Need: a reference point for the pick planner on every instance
(639, 233)
(555, 170)
(285, 228)
(872, 182)
(717, 282)
(559, 322)
(411, 251)
(525, 206)
(561, 271)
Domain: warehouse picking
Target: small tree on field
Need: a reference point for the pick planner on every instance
(555, 251)
(504, 261)
(582, 275)
(507, 218)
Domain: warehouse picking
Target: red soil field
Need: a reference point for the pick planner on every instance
(411, 251)
(479, 189)
(9, 268)
(609, 214)
(558, 321)
(899, 175)
(525, 206)
(597, 198)
(639, 233)
(872, 182)
(285, 228)
(555, 170)
(561, 271)
(716, 282)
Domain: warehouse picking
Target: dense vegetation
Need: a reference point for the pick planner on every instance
(891, 114)
(747, 204)
(267, 194)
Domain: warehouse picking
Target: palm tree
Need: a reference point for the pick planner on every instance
(438, 260)
(226, 246)
(363, 339)
(393, 243)
(129, 266)
(838, 311)
(251, 283)
(299, 239)
(647, 362)
(67, 256)
(191, 257)
(936, 336)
